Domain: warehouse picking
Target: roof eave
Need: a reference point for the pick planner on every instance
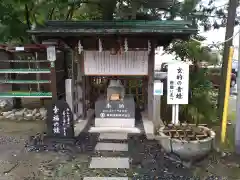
(77, 32)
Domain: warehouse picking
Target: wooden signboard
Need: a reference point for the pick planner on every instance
(178, 83)
(128, 63)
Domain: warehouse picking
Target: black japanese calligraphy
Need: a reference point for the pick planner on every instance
(171, 85)
(60, 120)
(179, 88)
(179, 70)
(115, 109)
(179, 96)
(179, 77)
(179, 83)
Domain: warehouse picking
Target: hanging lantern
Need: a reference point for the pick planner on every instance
(100, 45)
(149, 46)
(125, 45)
(80, 47)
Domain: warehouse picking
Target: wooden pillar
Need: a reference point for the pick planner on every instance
(83, 86)
(51, 57)
(73, 86)
(65, 64)
(17, 102)
(53, 82)
(78, 86)
(151, 62)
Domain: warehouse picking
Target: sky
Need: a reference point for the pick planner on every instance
(213, 36)
(218, 35)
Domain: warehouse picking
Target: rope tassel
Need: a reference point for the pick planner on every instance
(125, 45)
(100, 45)
(80, 47)
(149, 46)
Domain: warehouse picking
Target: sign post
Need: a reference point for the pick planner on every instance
(177, 88)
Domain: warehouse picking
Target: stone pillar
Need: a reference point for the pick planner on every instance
(157, 110)
(151, 63)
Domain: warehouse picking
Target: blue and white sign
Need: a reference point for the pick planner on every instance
(158, 89)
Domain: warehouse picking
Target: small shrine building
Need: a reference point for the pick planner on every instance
(106, 52)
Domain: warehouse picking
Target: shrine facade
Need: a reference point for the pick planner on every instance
(112, 67)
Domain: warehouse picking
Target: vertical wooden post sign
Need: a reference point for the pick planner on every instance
(60, 120)
(177, 87)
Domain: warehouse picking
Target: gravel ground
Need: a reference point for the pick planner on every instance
(147, 159)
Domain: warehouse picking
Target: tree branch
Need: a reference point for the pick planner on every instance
(50, 15)
(108, 9)
(27, 16)
(70, 12)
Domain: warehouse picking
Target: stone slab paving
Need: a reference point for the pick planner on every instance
(105, 178)
(109, 163)
(115, 162)
(102, 146)
(144, 160)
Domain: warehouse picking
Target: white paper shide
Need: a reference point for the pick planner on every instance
(177, 83)
(127, 63)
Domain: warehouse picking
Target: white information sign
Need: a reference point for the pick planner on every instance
(51, 53)
(103, 63)
(19, 48)
(158, 89)
(177, 83)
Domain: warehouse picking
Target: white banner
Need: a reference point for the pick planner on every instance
(103, 63)
(177, 83)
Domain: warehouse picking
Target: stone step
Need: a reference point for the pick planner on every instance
(114, 129)
(101, 146)
(110, 154)
(113, 136)
(105, 178)
(109, 163)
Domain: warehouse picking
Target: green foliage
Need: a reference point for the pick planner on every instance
(202, 107)
(202, 104)
(192, 51)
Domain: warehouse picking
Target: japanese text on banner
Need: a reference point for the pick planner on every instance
(177, 83)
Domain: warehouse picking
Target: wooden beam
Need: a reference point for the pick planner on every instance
(151, 62)
(53, 82)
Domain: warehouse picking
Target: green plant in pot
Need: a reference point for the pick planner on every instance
(202, 107)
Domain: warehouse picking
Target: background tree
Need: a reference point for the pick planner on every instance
(17, 16)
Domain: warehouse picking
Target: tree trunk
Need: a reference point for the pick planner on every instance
(108, 8)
